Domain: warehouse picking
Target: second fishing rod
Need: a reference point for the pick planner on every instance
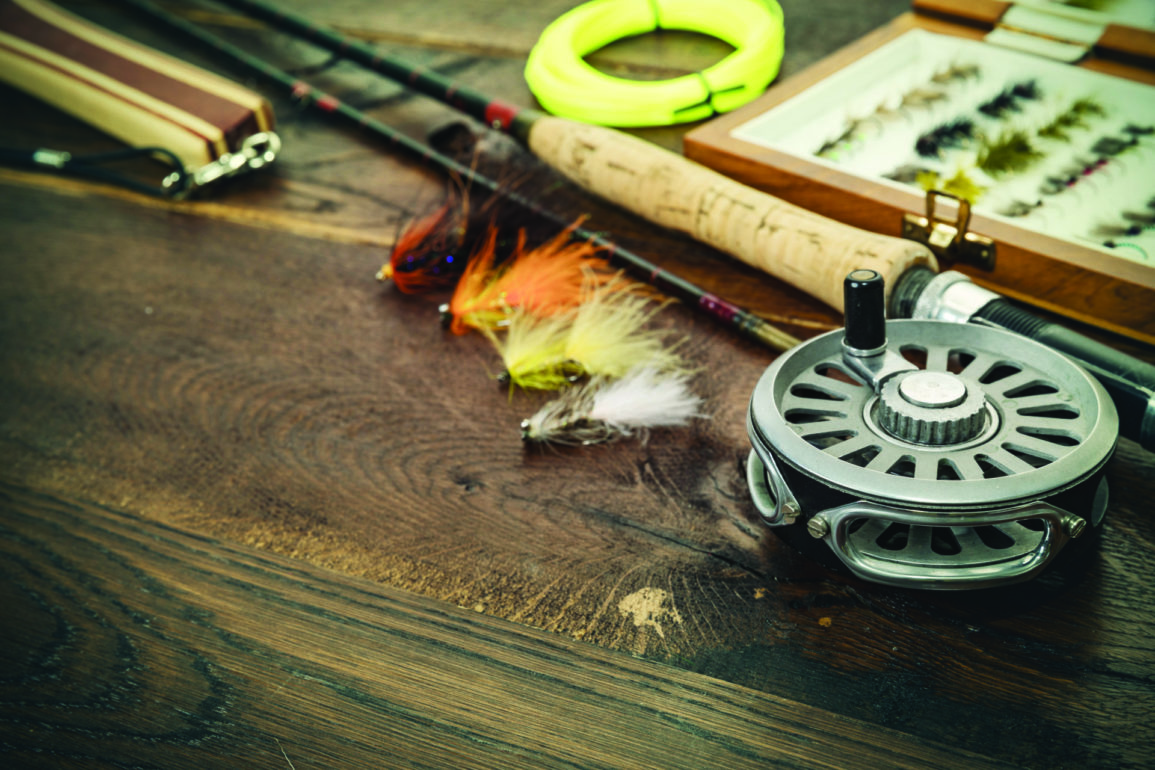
(799, 247)
(740, 319)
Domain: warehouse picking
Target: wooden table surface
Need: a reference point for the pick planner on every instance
(259, 510)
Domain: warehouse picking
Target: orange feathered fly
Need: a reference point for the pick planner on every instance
(427, 255)
(432, 251)
(544, 281)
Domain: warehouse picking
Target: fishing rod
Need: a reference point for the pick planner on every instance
(743, 321)
(799, 247)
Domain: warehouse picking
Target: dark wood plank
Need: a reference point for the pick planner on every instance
(267, 388)
(262, 388)
(231, 369)
(132, 644)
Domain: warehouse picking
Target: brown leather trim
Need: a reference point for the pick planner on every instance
(209, 143)
(234, 120)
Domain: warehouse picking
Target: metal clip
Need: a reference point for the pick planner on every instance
(57, 159)
(949, 240)
(773, 499)
(257, 151)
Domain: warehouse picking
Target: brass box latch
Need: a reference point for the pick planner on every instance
(949, 240)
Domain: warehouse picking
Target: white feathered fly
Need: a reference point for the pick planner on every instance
(605, 410)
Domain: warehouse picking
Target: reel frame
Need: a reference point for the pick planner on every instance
(990, 498)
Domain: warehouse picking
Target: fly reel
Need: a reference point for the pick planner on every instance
(929, 454)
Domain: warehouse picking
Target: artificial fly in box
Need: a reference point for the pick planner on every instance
(603, 337)
(919, 98)
(604, 410)
(543, 281)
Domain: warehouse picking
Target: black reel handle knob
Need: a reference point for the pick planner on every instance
(865, 309)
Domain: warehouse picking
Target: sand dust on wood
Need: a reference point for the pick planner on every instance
(648, 607)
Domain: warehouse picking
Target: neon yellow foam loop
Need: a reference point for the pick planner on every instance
(566, 85)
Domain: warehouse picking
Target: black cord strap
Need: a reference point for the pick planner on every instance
(96, 166)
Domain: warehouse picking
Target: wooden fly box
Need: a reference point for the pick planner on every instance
(1018, 140)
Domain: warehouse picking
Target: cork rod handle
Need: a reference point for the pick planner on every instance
(804, 249)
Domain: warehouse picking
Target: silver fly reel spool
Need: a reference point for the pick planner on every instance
(929, 454)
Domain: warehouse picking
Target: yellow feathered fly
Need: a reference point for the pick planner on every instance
(608, 337)
(604, 337)
(534, 351)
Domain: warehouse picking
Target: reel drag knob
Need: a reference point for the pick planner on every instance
(932, 408)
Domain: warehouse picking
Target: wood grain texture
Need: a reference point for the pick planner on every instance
(268, 389)
(262, 388)
(196, 653)
(219, 404)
